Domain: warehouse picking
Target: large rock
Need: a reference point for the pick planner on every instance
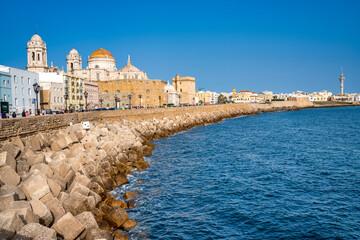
(7, 159)
(68, 226)
(76, 204)
(129, 195)
(18, 205)
(97, 234)
(36, 159)
(26, 215)
(116, 216)
(7, 189)
(35, 143)
(10, 222)
(9, 176)
(12, 149)
(42, 211)
(128, 224)
(56, 208)
(77, 187)
(44, 168)
(120, 235)
(6, 199)
(54, 187)
(121, 179)
(35, 187)
(88, 221)
(35, 231)
(18, 142)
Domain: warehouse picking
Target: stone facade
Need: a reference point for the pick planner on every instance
(185, 86)
(149, 90)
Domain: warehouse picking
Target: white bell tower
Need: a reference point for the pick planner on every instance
(37, 55)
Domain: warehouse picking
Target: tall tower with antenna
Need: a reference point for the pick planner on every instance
(342, 78)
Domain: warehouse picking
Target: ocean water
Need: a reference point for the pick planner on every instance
(283, 175)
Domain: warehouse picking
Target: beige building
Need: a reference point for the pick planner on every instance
(202, 97)
(74, 92)
(244, 96)
(185, 86)
(92, 90)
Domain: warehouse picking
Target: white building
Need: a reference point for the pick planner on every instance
(173, 96)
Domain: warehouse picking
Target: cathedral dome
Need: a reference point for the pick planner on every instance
(74, 51)
(101, 53)
(36, 38)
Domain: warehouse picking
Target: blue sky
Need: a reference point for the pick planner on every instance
(254, 45)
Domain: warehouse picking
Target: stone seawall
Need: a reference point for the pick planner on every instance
(55, 184)
(31, 125)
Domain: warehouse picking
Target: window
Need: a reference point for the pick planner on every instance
(33, 56)
(23, 91)
(125, 76)
(15, 90)
(96, 66)
(29, 102)
(22, 80)
(5, 98)
(23, 102)
(29, 91)
(147, 83)
(71, 66)
(4, 85)
(15, 79)
(106, 91)
(136, 76)
(117, 83)
(147, 91)
(97, 76)
(58, 99)
(180, 90)
(61, 99)
(117, 91)
(54, 99)
(38, 56)
(29, 82)
(16, 102)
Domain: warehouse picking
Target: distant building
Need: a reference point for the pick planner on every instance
(185, 86)
(74, 91)
(244, 96)
(51, 91)
(92, 90)
(172, 95)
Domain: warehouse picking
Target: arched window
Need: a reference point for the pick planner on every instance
(38, 56)
(33, 56)
(4, 85)
(97, 76)
(15, 90)
(16, 102)
(117, 91)
(29, 91)
(71, 66)
(147, 91)
(5, 98)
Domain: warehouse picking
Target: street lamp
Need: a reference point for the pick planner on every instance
(140, 96)
(36, 90)
(66, 96)
(159, 101)
(101, 101)
(129, 96)
(86, 94)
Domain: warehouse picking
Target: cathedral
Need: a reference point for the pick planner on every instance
(127, 86)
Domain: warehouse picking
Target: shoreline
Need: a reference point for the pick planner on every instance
(63, 178)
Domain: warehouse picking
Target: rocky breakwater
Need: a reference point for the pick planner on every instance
(56, 184)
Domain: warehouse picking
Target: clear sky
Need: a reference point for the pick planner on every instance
(254, 45)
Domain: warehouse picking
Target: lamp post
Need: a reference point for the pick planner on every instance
(66, 96)
(101, 101)
(36, 90)
(86, 94)
(140, 96)
(159, 101)
(129, 96)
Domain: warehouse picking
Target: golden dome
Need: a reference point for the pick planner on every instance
(101, 53)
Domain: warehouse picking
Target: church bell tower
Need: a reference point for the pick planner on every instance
(36, 55)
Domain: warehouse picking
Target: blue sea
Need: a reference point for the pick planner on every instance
(282, 175)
